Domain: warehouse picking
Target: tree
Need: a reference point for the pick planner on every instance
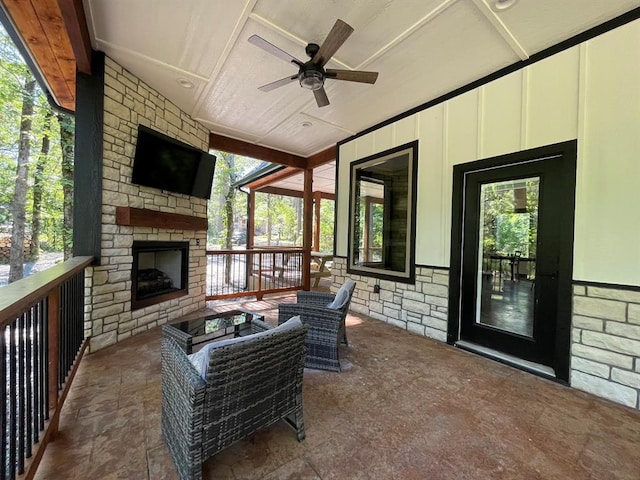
(67, 133)
(278, 216)
(229, 197)
(327, 213)
(27, 192)
(38, 187)
(11, 76)
(16, 258)
(505, 230)
(225, 198)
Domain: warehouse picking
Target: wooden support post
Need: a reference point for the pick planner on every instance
(53, 321)
(307, 229)
(251, 230)
(317, 197)
(251, 219)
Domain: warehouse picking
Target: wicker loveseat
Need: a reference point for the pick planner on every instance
(249, 385)
(325, 315)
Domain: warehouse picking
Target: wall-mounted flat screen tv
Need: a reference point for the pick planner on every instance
(168, 164)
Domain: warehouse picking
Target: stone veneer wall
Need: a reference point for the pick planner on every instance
(421, 308)
(605, 350)
(108, 316)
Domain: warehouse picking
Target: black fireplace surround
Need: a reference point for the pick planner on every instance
(160, 272)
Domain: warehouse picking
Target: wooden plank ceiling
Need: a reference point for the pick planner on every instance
(56, 35)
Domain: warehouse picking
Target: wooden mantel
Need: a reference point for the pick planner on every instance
(143, 217)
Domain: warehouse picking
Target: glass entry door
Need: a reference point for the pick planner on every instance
(506, 242)
(512, 243)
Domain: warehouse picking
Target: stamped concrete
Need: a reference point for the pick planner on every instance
(404, 407)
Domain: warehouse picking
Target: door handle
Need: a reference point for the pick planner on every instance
(552, 275)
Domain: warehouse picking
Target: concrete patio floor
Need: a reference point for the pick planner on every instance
(404, 407)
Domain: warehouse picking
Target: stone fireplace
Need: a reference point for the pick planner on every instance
(159, 273)
(135, 218)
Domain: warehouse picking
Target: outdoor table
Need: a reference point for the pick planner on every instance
(204, 329)
(323, 270)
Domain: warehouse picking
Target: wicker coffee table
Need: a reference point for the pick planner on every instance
(210, 327)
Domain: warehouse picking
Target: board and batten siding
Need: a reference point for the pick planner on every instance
(590, 92)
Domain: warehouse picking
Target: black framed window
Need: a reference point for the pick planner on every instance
(382, 214)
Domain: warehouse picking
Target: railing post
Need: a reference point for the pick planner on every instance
(259, 295)
(53, 342)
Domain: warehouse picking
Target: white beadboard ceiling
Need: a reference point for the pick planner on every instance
(421, 48)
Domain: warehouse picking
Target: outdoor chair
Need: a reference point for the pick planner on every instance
(325, 315)
(229, 390)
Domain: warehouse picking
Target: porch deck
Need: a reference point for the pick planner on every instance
(404, 407)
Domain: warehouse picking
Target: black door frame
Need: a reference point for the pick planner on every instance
(565, 263)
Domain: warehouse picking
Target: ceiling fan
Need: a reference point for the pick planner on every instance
(312, 74)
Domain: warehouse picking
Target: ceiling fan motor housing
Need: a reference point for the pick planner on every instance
(311, 76)
(312, 49)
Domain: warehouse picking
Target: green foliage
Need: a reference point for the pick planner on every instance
(7, 176)
(13, 73)
(327, 215)
(377, 224)
(512, 233)
(229, 169)
(278, 220)
(505, 230)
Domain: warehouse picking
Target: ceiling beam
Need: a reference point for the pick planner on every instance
(284, 192)
(76, 22)
(321, 158)
(239, 147)
(275, 177)
(287, 192)
(501, 28)
(326, 196)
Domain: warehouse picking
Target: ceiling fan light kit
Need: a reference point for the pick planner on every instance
(312, 74)
(311, 78)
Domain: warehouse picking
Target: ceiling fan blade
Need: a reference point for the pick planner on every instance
(278, 83)
(352, 75)
(337, 36)
(321, 97)
(273, 50)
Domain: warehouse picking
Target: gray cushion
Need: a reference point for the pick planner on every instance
(343, 295)
(200, 359)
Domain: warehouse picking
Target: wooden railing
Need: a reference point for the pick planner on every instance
(258, 271)
(41, 343)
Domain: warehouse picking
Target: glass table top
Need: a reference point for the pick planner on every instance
(235, 322)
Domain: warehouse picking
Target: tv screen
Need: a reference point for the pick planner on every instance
(168, 164)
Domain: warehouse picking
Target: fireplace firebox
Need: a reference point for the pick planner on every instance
(160, 272)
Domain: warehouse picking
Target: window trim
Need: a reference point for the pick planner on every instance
(408, 275)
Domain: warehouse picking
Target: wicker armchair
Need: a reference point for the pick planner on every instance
(249, 385)
(327, 325)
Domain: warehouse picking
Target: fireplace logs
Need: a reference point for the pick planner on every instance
(152, 281)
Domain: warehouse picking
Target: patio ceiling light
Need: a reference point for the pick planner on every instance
(500, 5)
(184, 83)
